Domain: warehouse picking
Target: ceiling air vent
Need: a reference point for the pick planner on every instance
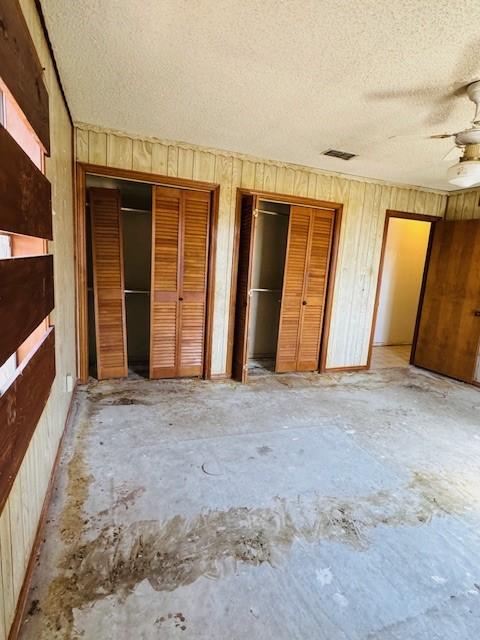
(343, 155)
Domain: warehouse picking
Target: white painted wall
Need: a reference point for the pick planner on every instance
(404, 262)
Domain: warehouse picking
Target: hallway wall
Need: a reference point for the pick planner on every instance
(365, 203)
(402, 274)
(20, 516)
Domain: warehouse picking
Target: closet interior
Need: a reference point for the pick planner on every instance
(135, 241)
(147, 269)
(284, 256)
(268, 263)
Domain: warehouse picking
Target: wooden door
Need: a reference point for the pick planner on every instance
(304, 289)
(244, 284)
(448, 334)
(108, 283)
(180, 235)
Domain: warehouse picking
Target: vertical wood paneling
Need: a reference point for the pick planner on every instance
(463, 205)
(259, 174)
(204, 166)
(364, 207)
(8, 599)
(172, 161)
(97, 147)
(119, 151)
(81, 145)
(142, 155)
(269, 177)
(159, 159)
(248, 175)
(185, 163)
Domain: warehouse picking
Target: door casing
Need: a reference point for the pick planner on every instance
(82, 169)
(408, 216)
(291, 200)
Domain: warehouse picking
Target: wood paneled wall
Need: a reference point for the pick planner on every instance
(365, 204)
(465, 205)
(20, 516)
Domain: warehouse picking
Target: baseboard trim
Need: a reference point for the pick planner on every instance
(219, 376)
(362, 367)
(37, 543)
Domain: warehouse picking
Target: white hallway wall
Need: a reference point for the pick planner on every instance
(365, 204)
(402, 273)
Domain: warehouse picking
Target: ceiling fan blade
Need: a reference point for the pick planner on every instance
(453, 154)
(442, 136)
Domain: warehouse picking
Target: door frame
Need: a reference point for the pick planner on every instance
(391, 213)
(81, 171)
(300, 201)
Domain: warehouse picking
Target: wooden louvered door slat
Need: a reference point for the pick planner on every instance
(164, 282)
(108, 280)
(304, 289)
(315, 288)
(242, 306)
(193, 282)
(293, 284)
(448, 338)
(180, 237)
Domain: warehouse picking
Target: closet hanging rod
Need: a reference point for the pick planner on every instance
(273, 213)
(146, 292)
(131, 210)
(267, 290)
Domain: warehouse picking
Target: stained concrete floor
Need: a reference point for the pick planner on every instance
(297, 507)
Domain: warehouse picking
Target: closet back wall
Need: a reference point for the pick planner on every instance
(365, 204)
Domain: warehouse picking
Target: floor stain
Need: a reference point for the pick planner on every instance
(177, 552)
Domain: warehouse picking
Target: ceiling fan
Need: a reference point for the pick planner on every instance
(466, 172)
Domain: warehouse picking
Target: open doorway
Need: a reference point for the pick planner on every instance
(402, 267)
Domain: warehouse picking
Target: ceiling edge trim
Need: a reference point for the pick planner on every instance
(85, 126)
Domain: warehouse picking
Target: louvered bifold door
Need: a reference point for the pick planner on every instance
(304, 289)
(293, 283)
(195, 213)
(244, 278)
(180, 236)
(315, 288)
(165, 282)
(108, 282)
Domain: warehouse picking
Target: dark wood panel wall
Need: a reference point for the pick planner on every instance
(26, 283)
(26, 298)
(25, 193)
(21, 71)
(21, 406)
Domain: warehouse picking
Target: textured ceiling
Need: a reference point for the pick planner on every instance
(283, 80)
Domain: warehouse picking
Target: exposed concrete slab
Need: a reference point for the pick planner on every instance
(341, 507)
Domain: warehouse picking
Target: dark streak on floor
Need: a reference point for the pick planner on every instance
(174, 497)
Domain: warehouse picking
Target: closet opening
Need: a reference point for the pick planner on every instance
(268, 266)
(402, 271)
(286, 248)
(145, 266)
(134, 279)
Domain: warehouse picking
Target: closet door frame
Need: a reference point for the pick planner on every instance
(290, 200)
(82, 170)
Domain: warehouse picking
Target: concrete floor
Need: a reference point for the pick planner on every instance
(336, 507)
